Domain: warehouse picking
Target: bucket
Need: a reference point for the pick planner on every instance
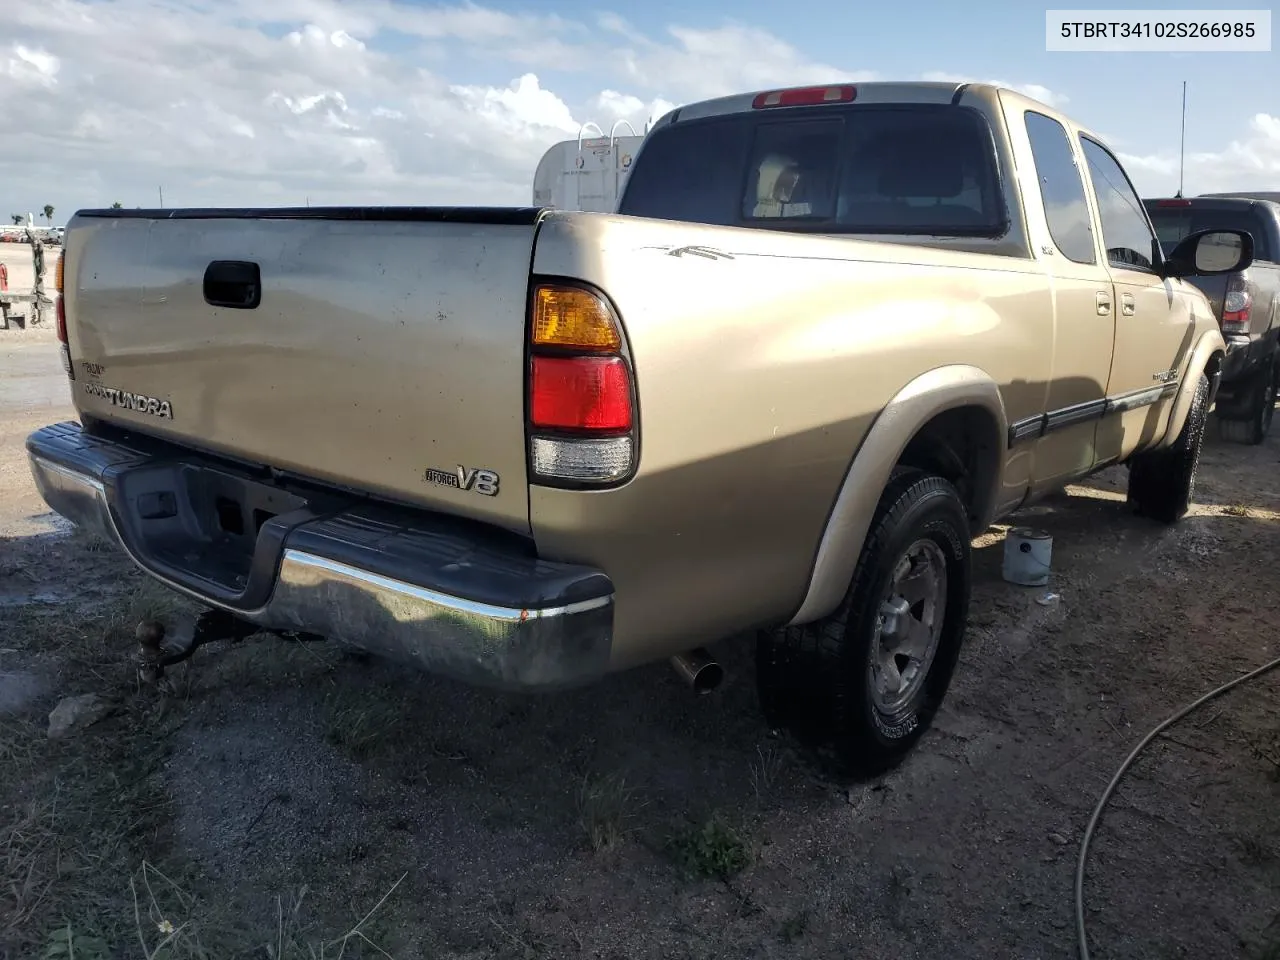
(1028, 555)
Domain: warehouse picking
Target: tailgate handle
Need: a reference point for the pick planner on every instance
(233, 283)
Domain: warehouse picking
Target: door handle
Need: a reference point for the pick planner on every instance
(1104, 303)
(1127, 307)
(233, 283)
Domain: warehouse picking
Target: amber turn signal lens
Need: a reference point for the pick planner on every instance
(57, 274)
(573, 318)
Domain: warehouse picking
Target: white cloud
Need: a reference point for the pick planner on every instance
(27, 66)
(336, 100)
(1251, 163)
(721, 61)
(316, 38)
(241, 102)
(610, 107)
(522, 107)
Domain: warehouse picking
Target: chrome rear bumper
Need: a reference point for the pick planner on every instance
(387, 582)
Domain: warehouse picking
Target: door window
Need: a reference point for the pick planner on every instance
(1127, 236)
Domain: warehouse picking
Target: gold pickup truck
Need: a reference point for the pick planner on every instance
(829, 336)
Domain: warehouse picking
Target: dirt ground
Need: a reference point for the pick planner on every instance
(283, 800)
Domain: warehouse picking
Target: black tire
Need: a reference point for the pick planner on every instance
(1162, 482)
(1252, 429)
(815, 680)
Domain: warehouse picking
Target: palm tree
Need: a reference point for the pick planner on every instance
(117, 205)
(48, 213)
(17, 219)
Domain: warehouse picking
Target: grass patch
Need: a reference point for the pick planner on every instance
(145, 599)
(76, 814)
(765, 771)
(605, 810)
(712, 850)
(361, 725)
(88, 869)
(171, 924)
(66, 943)
(96, 637)
(86, 866)
(89, 542)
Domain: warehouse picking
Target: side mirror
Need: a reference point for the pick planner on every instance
(1208, 253)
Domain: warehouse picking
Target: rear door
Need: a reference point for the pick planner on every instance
(1083, 309)
(1154, 327)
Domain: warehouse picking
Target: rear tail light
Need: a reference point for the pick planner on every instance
(804, 97)
(1176, 202)
(1236, 306)
(580, 393)
(581, 390)
(585, 461)
(573, 318)
(64, 347)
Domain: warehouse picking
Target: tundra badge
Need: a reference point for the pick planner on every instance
(484, 482)
(137, 402)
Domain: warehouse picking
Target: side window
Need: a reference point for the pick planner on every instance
(1061, 188)
(1129, 241)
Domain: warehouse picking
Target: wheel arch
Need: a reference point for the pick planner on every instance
(950, 420)
(1206, 357)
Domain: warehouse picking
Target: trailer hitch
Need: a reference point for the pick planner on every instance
(210, 626)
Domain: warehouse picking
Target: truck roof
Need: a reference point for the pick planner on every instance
(1205, 200)
(880, 91)
(1259, 197)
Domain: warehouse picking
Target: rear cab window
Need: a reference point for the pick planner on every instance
(869, 169)
(1176, 219)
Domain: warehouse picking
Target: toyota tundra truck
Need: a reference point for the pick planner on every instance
(830, 335)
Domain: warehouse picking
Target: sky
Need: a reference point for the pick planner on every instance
(284, 102)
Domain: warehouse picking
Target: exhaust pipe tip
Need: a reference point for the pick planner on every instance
(699, 670)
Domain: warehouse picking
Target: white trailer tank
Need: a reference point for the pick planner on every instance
(586, 174)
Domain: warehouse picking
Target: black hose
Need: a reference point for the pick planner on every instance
(1081, 935)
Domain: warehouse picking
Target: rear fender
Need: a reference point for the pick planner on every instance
(939, 390)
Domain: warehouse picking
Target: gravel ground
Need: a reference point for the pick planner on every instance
(635, 820)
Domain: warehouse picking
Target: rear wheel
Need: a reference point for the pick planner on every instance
(1259, 411)
(868, 679)
(1162, 482)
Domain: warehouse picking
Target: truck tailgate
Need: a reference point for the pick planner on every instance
(386, 353)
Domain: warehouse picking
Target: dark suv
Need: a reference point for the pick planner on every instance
(1246, 303)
